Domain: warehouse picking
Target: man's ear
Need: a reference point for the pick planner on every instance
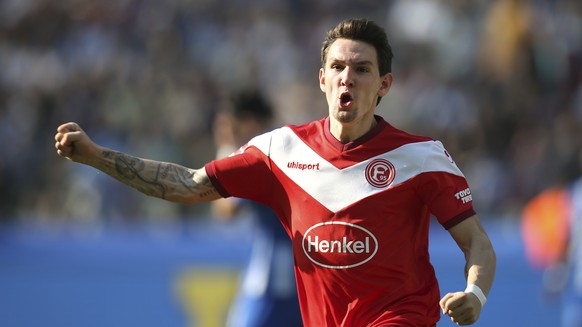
(385, 84)
(322, 80)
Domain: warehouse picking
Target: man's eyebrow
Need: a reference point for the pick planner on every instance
(364, 62)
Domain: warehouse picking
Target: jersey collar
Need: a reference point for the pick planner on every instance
(381, 124)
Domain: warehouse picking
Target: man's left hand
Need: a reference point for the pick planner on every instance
(463, 308)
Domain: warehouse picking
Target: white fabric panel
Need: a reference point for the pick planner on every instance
(338, 188)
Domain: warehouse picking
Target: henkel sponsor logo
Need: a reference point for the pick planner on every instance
(339, 245)
(380, 173)
(303, 166)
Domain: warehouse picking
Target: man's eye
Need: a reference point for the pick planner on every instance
(337, 67)
(363, 69)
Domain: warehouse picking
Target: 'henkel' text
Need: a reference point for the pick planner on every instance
(338, 246)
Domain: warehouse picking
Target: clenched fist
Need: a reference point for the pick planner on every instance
(74, 144)
(464, 308)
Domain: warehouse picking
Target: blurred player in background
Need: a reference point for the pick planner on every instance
(267, 295)
(354, 194)
(552, 234)
(572, 308)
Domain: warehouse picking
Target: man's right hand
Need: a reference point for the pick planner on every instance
(74, 144)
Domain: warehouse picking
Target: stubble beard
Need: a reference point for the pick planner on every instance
(345, 116)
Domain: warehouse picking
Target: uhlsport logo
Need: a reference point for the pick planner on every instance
(380, 173)
(339, 245)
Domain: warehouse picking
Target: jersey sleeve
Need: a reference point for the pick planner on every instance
(244, 174)
(444, 188)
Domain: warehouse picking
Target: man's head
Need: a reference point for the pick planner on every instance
(361, 30)
(251, 104)
(355, 74)
(251, 113)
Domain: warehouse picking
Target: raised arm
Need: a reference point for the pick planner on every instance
(464, 308)
(164, 180)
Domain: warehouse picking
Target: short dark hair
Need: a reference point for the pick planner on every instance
(361, 30)
(251, 104)
(365, 30)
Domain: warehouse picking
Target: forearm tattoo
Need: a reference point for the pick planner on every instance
(160, 179)
(131, 171)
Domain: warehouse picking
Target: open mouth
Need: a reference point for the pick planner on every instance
(345, 99)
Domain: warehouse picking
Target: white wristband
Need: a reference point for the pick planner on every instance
(472, 288)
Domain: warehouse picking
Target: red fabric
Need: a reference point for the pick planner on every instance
(361, 257)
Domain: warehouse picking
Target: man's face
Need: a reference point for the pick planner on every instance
(351, 81)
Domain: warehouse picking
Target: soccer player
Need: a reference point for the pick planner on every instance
(267, 295)
(353, 193)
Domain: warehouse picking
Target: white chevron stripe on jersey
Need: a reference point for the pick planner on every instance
(338, 188)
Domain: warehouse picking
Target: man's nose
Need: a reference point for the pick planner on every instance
(347, 77)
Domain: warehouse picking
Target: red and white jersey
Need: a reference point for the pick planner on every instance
(358, 215)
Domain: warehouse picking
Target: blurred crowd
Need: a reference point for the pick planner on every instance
(498, 81)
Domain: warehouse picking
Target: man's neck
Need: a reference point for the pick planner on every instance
(346, 133)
